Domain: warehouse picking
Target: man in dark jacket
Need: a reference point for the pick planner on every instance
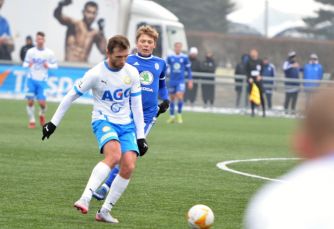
(240, 70)
(291, 70)
(253, 69)
(268, 71)
(208, 89)
(190, 95)
(25, 48)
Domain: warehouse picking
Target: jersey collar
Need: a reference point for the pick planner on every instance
(144, 57)
(110, 68)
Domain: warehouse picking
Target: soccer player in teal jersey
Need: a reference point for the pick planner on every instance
(179, 65)
(152, 70)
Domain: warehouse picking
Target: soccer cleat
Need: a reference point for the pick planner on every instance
(171, 119)
(42, 120)
(101, 192)
(31, 125)
(104, 216)
(82, 205)
(179, 118)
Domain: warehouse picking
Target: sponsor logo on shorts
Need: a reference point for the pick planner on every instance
(106, 128)
(108, 135)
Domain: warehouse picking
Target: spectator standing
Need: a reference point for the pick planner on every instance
(6, 40)
(312, 71)
(268, 70)
(29, 44)
(208, 89)
(291, 70)
(240, 70)
(253, 69)
(190, 95)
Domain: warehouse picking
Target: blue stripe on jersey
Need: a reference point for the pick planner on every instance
(135, 94)
(77, 91)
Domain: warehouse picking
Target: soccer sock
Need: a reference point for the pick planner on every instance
(112, 176)
(99, 173)
(42, 111)
(172, 108)
(179, 106)
(31, 113)
(116, 190)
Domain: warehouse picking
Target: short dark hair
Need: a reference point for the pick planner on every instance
(119, 41)
(91, 3)
(42, 34)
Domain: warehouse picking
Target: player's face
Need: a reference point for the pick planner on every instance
(145, 45)
(90, 14)
(117, 58)
(40, 40)
(178, 48)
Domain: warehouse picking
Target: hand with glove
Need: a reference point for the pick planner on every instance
(48, 129)
(101, 24)
(163, 107)
(142, 146)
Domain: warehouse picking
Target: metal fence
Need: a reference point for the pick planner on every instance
(225, 95)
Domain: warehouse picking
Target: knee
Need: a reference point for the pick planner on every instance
(127, 169)
(112, 153)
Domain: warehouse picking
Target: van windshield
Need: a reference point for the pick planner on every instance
(176, 34)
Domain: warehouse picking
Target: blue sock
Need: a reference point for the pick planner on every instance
(179, 107)
(172, 108)
(112, 176)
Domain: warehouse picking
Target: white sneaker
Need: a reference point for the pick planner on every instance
(82, 205)
(104, 216)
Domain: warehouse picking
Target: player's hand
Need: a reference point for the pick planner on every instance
(46, 65)
(65, 2)
(101, 24)
(48, 129)
(163, 107)
(142, 146)
(190, 84)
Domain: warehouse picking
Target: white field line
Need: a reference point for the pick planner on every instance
(223, 166)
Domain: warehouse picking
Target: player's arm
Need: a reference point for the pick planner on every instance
(100, 39)
(86, 83)
(27, 60)
(64, 20)
(52, 62)
(138, 116)
(163, 92)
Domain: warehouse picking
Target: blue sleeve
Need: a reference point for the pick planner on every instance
(188, 68)
(163, 92)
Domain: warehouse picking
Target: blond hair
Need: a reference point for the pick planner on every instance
(149, 31)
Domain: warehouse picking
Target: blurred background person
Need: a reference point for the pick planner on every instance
(29, 44)
(304, 199)
(80, 36)
(39, 60)
(6, 40)
(180, 67)
(240, 70)
(269, 71)
(208, 89)
(190, 95)
(253, 69)
(291, 71)
(313, 70)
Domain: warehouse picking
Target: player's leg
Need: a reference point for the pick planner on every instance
(42, 101)
(102, 191)
(180, 96)
(172, 96)
(119, 185)
(30, 95)
(109, 145)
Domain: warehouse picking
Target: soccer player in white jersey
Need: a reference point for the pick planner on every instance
(304, 199)
(39, 59)
(117, 94)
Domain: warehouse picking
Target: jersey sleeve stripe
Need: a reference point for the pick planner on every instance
(163, 78)
(77, 91)
(135, 94)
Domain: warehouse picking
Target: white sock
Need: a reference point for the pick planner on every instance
(31, 113)
(116, 190)
(42, 111)
(99, 174)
